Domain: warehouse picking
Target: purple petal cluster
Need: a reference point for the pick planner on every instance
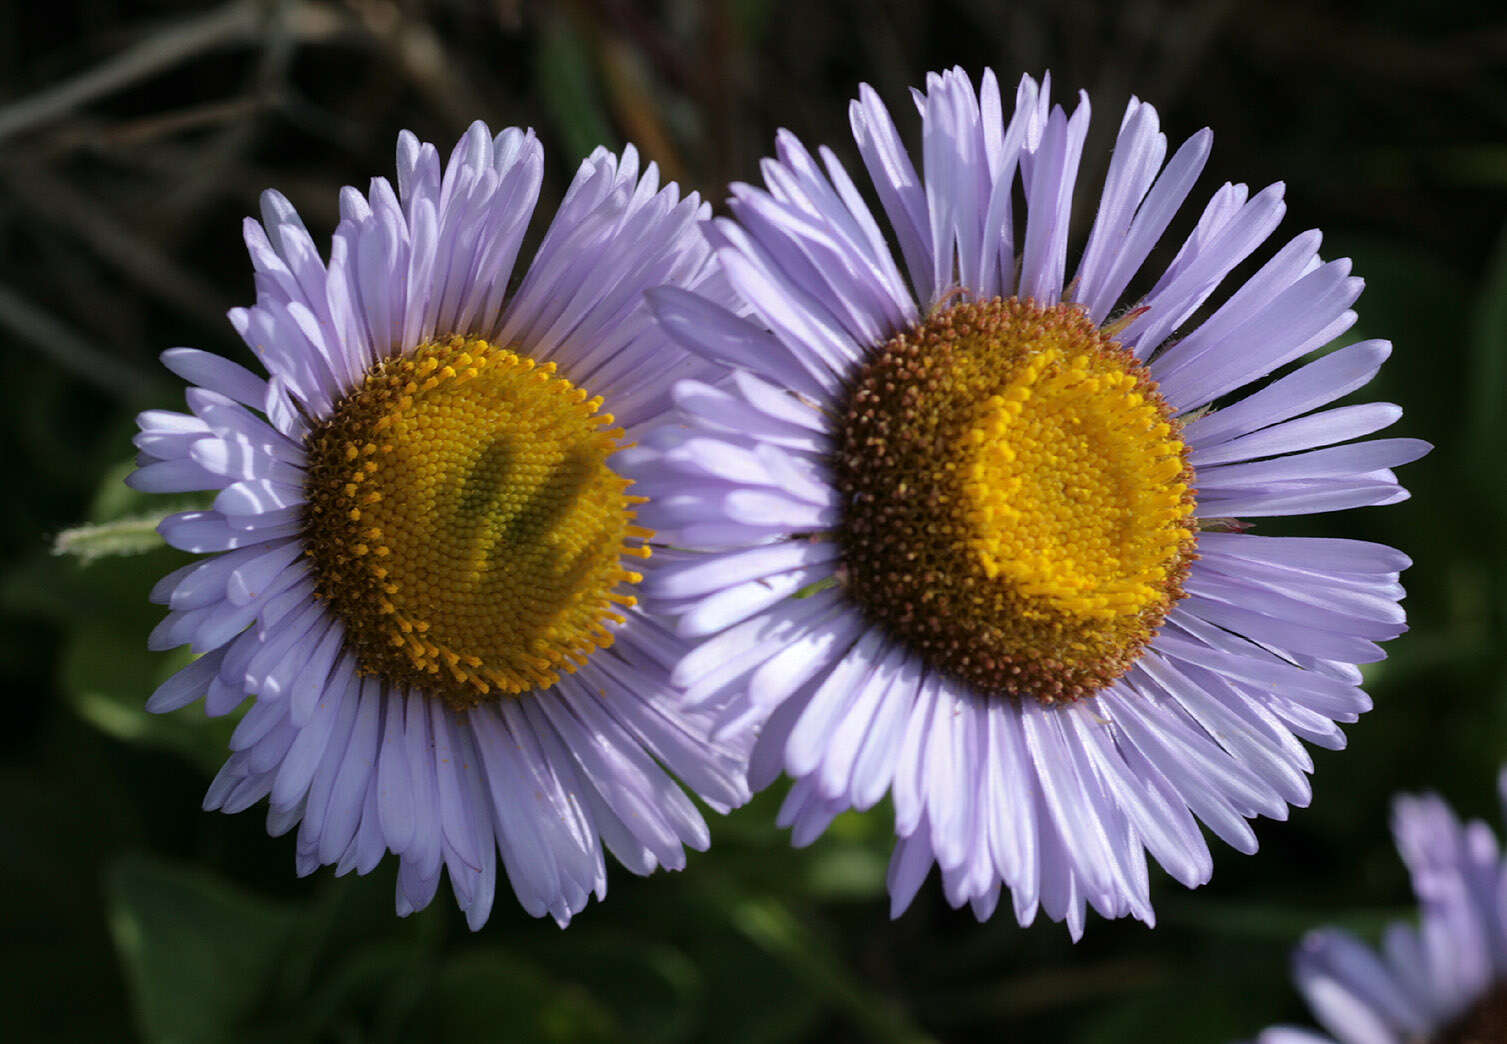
(1425, 977)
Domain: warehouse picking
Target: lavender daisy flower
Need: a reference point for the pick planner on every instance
(1441, 982)
(420, 550)
(966, 533)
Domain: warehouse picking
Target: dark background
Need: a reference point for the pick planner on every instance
(134, 138)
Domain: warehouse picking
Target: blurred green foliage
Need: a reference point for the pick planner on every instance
(133, 914)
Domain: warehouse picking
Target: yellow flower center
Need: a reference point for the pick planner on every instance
(1018, 504)
(464, 525)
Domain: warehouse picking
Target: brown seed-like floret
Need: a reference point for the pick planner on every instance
(1484, 1022)
(1017, 502)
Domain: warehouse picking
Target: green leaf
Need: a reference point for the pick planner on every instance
(493, 995)
(123, 521)
(106, 672)
(655, 993)
(107, 676)
(1267, 921)
(1482, 164)
(111, 589)
(847, 872)
(114, 500)
(198, 954)
(570, 90)
(770, 925)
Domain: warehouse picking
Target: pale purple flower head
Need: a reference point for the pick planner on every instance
(444, 718)
(962, 528)
(1441, 981)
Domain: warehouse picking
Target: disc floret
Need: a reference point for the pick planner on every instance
(464, 524)
(1017, 499)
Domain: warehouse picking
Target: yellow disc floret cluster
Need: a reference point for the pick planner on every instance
(1060, 489)
(1018, 505)
(464, 525)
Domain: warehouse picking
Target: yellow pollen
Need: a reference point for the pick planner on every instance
(1018, 502)
(489, 522)
(1074, 488)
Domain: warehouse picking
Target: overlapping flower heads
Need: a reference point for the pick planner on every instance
(420, 550)
(1444, 980)
(971, 534)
